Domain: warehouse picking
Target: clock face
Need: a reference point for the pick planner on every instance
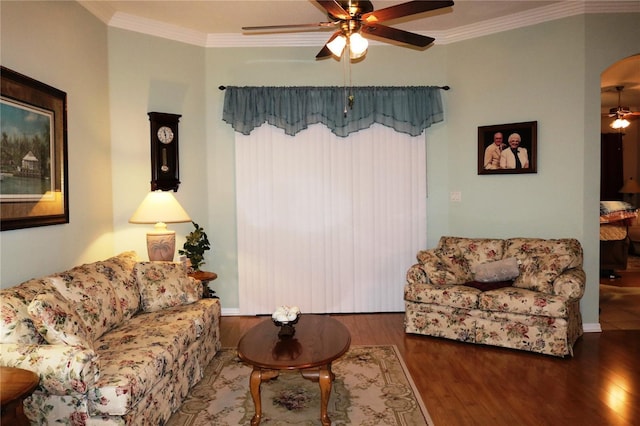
(165, 134)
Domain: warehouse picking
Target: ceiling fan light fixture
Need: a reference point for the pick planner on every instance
(620, 123)
(358, 46)
(336, 46)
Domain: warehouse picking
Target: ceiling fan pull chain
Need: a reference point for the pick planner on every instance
(345, 58)
(351, 98)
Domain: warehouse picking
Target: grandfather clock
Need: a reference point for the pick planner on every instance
(165, 173)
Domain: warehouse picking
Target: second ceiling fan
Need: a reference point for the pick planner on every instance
(354, 18)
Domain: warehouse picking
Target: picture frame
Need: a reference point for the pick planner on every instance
(33, 170)
(495, 161)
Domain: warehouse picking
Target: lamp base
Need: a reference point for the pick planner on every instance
(161, 245)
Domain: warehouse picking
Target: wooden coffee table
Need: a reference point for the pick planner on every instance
(15, 385)
(318, 341)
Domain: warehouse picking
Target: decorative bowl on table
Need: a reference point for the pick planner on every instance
(286, 317)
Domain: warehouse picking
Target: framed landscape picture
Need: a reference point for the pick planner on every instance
(508, 148)
(33, 142)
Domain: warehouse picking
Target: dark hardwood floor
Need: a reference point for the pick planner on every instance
(620, 299)
(466, 384)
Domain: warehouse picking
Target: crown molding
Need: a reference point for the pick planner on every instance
(102, 11)
(535, 16)
(155, 28)
(514, 21)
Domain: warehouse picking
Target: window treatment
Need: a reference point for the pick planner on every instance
(327, 223)
(409, 109)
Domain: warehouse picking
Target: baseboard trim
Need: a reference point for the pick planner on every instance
(230, 312)
(593, 327)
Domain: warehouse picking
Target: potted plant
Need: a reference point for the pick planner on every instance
(197, 243)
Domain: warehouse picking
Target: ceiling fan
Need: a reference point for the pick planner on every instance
(354, 18)
(621, 113)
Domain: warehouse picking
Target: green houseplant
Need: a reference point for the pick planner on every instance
(196, 245)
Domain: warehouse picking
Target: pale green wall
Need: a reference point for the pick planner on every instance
(152, 74)
(549, 73)
(64, 46)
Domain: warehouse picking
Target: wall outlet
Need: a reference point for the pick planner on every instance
(455, 196)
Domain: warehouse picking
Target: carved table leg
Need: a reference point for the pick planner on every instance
(324, 376)
(257, 377)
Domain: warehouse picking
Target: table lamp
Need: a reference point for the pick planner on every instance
(160, 207)
(630, 187)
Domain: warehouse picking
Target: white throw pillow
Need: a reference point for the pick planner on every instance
(500, 270)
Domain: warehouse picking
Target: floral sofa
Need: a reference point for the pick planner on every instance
(115, 342)
(520, 293)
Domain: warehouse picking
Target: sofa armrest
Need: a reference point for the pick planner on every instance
(63, 369)
(417, 275)
(570, 283)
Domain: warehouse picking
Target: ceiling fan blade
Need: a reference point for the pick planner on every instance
(325, 52)
(383, 31)
(334, 9)
(404, 9)
(293, 26)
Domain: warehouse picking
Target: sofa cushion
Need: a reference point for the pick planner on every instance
(499, 270)
(16, 325)
(92, 296)
(473, 250)
(521, 301)
(451, 262)
(57, 321)
(442, 269)
(523, 248)
(457, 296)
(118, 270)
(135, 356)
(539, 272)
(165, 284)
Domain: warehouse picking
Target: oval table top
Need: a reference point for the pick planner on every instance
(318, 340)
(15, 383)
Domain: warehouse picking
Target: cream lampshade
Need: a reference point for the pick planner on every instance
(160, 207)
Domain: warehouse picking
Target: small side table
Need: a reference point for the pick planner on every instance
(205, 277)
(16, 384)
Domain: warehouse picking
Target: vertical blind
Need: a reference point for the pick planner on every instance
(331, 194)
(327, 223)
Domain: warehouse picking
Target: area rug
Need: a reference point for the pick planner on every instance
(372, 387)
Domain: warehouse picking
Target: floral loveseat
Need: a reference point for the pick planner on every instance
(520, 293)
(115, 342)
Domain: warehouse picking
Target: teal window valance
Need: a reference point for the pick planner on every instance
(409, 109)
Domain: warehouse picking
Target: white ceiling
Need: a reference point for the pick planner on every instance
(219, 16)
(214, 23)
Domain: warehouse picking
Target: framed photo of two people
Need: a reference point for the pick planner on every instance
(508, 148)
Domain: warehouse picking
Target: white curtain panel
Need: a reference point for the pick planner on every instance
(326, 223)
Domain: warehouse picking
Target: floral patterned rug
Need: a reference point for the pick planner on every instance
(372, 387)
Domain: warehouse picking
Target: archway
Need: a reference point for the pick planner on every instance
(620, 168)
